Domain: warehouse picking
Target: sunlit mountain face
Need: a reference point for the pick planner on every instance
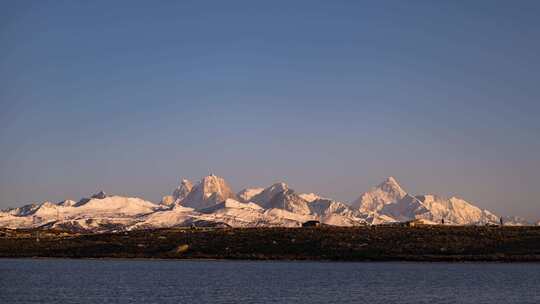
(212, 202)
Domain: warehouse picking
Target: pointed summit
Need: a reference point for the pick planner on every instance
(182, 190)
(264, 197)
(209, 191)
(179, 194)
(391, 185)
(386, 192)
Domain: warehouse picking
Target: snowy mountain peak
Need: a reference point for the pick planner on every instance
(390, 179)
(214, 184)
(269, 193)
(182, 190)
(375, 199)
(212, 202)
(209, 191)
(391, 185)
(280, 196)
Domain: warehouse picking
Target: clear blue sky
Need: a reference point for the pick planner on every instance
(330, 96)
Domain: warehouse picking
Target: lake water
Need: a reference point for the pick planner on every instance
(161, 281)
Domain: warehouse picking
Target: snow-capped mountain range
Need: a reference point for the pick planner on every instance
(212, 203)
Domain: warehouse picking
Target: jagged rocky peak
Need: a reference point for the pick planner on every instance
(209, 191)
(179, 193)
(182, 190)
(277, 188)
(390, 185)
(264, 197)
(386, 192)
(324, 206)
(99, 195)
(84, 200)
(24, 210)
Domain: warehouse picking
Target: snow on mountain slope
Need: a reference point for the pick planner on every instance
(374, 200)
(93, 225)
(232, 204)
(406, 208)
(230, 212)
(374, 218)
(324, 206)
(389, 202)
(11, 221)
(209, 191)
(455, 211)
(335, 213)
(289, 219)
(265, 196)
(104, 209)
(212, 203)
(177, 216)
(116, 206)
(237, 214)
(309, 197)
(67, 203)
(340, 220)
(280, 196)
(24, 210)
(248, 193)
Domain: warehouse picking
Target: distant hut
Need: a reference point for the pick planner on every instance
(311, 224)
(416, 223)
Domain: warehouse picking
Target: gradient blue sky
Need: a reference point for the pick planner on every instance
(330, 96)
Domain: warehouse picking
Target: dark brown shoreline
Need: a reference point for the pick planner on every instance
(375, 243)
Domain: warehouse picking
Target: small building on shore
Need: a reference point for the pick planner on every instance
(311, 224)
(417, 222)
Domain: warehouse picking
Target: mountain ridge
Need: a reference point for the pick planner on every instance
(212, 202)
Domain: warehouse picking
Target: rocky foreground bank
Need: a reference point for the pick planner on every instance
(370, 243)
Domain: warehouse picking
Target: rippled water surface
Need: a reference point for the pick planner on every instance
(159, 281)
